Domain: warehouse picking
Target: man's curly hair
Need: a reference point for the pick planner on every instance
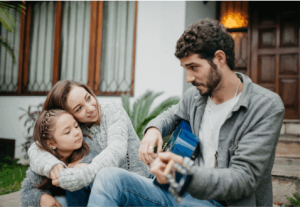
(204, 38)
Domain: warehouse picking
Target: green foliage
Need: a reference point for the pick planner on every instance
(30, 119)
(6, 44)
(8, 11)
(295, 202)
(11, 176)
(140, 114)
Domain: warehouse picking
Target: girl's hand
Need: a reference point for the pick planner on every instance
(49, 201)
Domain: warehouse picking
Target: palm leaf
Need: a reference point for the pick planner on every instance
(164, 105)
(126, 103)
(5, 43)
(137, 105)
(146, 106)
(140, 128)
(7, 20)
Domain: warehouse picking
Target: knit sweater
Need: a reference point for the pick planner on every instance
(30, 195)
(119, 145)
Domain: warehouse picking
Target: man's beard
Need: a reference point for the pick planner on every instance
(213, 80)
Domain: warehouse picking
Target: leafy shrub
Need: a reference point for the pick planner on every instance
(31, 117)
(140, 114)
(11, 176)
(295, 202)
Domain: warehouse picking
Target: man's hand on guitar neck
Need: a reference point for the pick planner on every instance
(159, 164)
(151, 139)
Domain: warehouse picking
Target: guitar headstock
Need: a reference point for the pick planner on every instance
(179, 178)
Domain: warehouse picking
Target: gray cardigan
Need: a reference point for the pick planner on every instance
(247, 144)
(30, 195)
(119, 145)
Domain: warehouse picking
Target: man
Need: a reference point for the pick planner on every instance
(237, 121)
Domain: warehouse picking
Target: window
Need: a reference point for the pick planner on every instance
(89, 42)
(234, 16)
(8, 68)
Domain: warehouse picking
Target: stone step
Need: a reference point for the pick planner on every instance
(288, 147)
(285, 179)
(291, 127)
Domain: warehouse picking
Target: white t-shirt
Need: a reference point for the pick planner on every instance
(209, 138)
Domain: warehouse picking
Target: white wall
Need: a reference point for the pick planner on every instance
(159, 25)
(194, 11)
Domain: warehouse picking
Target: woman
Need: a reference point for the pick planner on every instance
(59, 134)
(107, 124)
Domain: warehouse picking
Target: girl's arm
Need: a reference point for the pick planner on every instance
(41, 162)
(30, 195)
(118, 125)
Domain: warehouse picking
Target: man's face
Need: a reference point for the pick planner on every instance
(201, 74)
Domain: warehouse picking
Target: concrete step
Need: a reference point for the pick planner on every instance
(288, 147)
(11, 199)
(285, 179)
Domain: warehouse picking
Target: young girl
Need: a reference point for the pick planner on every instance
(58, 133)
(107, 124)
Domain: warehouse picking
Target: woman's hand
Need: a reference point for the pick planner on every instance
(151, 139)
(48, 201)
(160, 163)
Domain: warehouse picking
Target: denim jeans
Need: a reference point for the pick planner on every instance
(62, 200)
(79, 197)
(118, 187)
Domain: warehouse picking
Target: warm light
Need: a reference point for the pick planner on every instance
(234, 21)
(234, 14)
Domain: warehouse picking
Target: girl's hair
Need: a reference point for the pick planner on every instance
(57, 96)
(44, 131)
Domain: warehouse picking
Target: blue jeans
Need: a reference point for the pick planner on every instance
(118, 187)
(79, 197)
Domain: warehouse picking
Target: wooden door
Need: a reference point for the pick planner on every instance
(275, 51)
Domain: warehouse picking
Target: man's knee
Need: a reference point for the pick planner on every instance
(112, 175)
(111, 179)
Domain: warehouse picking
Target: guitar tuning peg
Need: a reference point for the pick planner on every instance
(174, 185)
(178, 199)
(168, 176)
(176, 165)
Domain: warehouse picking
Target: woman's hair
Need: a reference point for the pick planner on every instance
(204, 38)
(44, 131)
(57, 96)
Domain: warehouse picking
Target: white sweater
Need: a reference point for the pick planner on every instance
(119, 145)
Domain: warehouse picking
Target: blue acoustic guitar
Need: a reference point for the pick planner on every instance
(184, 143)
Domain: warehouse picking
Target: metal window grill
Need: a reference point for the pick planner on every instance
(41, 47)
(9, 69)
(117, 47)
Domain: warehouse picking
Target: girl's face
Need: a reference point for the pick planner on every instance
(67, 134)
(83, 105)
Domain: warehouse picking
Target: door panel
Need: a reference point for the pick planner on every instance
(275, 52)
(289, 64)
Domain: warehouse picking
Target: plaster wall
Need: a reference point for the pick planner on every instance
(194, 11)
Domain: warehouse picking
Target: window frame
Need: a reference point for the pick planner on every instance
(94, 59)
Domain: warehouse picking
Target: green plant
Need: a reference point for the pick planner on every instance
(295, 202)
(8, 10)
(11, 175)
(31, 117)
(140, 114)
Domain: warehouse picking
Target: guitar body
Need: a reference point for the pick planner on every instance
(183, 142)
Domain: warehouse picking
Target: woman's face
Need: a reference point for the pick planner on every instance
(83, 105)
(67, 134)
